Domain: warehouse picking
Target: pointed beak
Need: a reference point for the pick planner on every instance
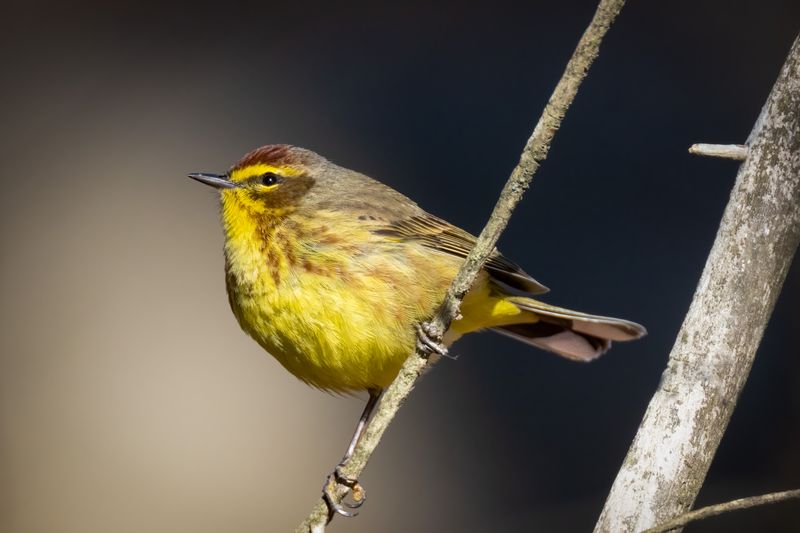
(218, 181)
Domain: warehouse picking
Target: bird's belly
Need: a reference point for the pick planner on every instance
(332, 333)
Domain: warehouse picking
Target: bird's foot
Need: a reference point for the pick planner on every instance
(356, 492)
(424, 341)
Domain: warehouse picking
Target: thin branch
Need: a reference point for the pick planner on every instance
(533, 154)
(715, 348)
(720, 508)
(726, 151)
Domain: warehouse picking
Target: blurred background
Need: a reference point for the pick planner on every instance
(130, 400)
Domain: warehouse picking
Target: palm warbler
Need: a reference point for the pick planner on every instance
(330, 271)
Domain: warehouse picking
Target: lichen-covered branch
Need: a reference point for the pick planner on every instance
(712, 356)
(727, 507)
(533, 154)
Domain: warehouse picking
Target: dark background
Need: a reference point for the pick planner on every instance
(129, 399)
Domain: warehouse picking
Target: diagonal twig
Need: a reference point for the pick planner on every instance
(720, 508)
(533, 154)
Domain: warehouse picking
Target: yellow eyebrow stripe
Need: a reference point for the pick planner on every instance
(248, 172)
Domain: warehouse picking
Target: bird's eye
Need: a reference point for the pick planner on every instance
(270, 178)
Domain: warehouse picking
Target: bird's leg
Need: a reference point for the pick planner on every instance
(338, 478)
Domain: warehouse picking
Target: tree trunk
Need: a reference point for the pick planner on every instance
(712, 356)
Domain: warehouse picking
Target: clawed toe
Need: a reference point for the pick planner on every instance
(357, 492)
(359, 495)
(424, 341)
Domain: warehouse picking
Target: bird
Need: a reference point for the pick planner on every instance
(331, 272)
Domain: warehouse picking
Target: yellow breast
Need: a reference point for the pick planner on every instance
(335, 308)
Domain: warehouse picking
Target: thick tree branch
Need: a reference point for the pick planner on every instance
(721, 508)
(533, 154)
(712, 356)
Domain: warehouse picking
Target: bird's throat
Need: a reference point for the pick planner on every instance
(259, 250)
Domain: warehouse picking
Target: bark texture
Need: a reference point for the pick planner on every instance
(712, 356)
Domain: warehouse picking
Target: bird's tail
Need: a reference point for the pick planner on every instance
(574, 335)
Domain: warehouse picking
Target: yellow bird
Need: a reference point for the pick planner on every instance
(330, 271)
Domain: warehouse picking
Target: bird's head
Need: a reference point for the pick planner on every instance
(271, 180)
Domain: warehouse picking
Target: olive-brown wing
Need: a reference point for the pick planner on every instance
(440, 235)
